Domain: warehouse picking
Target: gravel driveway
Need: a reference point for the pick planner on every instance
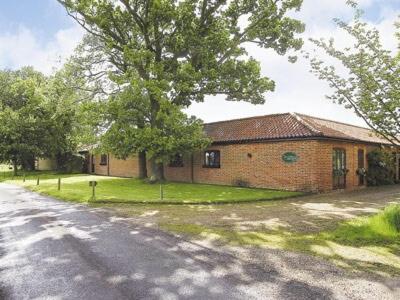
(55, 250)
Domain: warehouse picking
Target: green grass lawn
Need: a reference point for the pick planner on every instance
(125, 190)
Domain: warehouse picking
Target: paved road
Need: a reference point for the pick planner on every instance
(56, 250)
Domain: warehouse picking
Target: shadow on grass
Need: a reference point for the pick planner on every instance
(364, 244)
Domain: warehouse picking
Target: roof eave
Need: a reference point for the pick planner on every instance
(300, 138)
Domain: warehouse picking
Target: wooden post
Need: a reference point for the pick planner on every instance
(93, 192)
(59, 184)
(161, 192)
(24, 178)
(38, 181)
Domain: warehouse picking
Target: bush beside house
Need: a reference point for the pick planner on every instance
(380, 168)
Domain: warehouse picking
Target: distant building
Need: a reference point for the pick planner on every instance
(45, 164)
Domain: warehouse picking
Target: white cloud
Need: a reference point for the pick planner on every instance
(23, 48)
(296, 89)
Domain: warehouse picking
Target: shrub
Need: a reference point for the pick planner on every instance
(380, 168)
(241, 183)
(392, 215)
(70, 163)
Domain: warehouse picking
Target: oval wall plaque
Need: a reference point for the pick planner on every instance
(289, 157)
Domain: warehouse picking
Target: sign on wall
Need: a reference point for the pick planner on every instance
(289, 157)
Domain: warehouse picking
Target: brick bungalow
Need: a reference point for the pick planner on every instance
(282, 151)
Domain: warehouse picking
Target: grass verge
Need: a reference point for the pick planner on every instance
(75, 187)
(362, 244)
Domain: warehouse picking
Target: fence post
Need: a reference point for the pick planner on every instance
(59, 184)
(38, 180)
(24, 178)
(93, 192)
(161, 192)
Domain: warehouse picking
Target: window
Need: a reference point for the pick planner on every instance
(176, 161)
(103, 159)
(212, 159)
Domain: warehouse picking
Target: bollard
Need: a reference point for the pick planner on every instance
(161, 192)
(24, 178)
(38, 181)
(59, 184)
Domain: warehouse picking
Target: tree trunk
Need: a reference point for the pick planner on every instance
(157, 170)
(142, 165)
(15, 165)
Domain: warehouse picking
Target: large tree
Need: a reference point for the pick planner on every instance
(72, 115)
(368, 79)
(23, 117)
(40, 117)
(176, 134)
(180, 51)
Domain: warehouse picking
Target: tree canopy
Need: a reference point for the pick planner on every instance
(40, 117)
(172, 53)
(370, 82)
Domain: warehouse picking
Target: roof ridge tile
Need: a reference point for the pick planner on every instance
(306, 124)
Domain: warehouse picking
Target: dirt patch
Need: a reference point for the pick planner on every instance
(308, 214)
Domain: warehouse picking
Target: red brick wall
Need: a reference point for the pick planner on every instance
(264, 166)
(325, 151)
(179, 173)
(117, 167)
(99, 169)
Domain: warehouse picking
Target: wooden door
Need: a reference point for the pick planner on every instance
(339, 168)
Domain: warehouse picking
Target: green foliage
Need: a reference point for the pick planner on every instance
(380, 168)
(176, 132)
(188, 49)
(392, 216)
(169, 54)
(24, 117)
(40, 117)
(371, 87)
(379, 229)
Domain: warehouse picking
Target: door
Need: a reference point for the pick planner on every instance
(339, 168)
(361, 165)
(93, 164)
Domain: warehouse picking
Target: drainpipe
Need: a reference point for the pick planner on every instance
(108, 164)
(191, 168)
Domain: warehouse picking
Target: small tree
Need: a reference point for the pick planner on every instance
(371, 87)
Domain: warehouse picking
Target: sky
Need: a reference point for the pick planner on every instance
(39, 33)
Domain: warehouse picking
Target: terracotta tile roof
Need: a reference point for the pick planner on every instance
(286, 126)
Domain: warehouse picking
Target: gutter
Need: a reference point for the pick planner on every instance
(300, 138)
